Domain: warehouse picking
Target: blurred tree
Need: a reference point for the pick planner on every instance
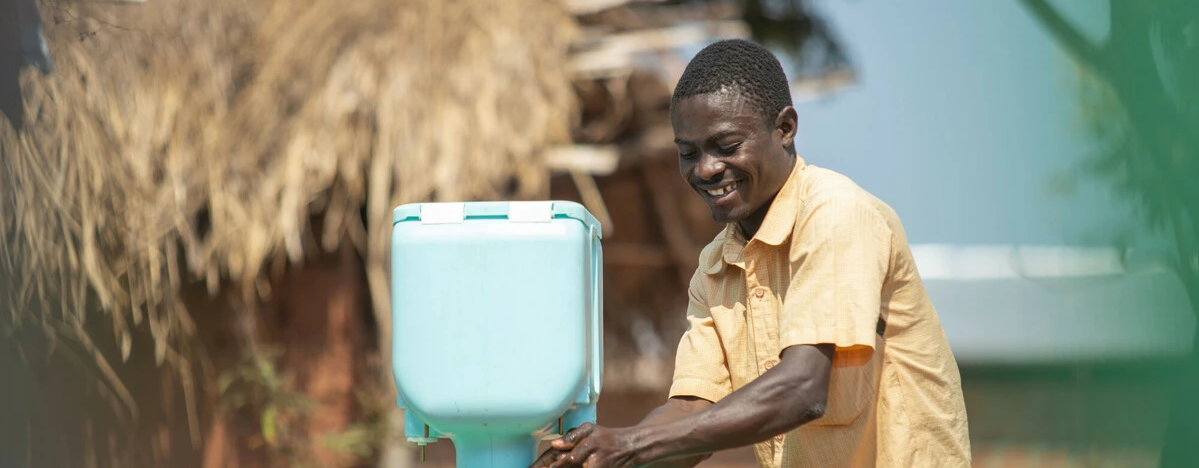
(799, 29)
(795, 28)
(1141, 103)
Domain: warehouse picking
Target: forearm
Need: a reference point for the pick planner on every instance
(674, 409)
(780, 400)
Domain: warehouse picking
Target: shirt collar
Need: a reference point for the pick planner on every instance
(776, 227)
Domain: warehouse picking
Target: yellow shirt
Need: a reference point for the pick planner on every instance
(830, 264)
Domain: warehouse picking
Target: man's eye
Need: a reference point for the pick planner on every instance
(687, 154)
(730, 149)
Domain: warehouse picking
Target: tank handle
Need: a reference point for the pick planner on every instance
(597, 314)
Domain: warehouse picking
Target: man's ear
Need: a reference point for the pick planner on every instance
(786, 124)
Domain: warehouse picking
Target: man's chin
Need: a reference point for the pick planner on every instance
(724, 216)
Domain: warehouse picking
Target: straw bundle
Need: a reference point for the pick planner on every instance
(182, 140)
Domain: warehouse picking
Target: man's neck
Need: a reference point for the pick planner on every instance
(750, 225)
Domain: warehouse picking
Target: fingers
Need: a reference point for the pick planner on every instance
(576, 457)
(563, 461)
(573, 436)
(561, 446)
(569, 451)
(592, 461)
(566, 461)
(548, 457)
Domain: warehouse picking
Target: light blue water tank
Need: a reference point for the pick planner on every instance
(497, 324)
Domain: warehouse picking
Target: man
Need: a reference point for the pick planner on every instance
(811, 335)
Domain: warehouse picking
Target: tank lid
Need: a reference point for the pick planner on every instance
(513, 211)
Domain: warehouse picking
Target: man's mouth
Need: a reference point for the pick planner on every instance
(720, 192)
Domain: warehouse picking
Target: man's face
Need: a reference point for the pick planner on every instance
(734, 157)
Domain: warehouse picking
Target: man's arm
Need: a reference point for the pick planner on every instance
(674, 409)
(792, 393)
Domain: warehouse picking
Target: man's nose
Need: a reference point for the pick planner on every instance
(708, 167)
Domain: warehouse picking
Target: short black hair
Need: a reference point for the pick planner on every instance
(739, 65)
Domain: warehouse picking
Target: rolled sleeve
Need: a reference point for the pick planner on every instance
(700, 369)
(840, 254)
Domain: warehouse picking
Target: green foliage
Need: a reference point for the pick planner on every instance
(367, 436)
(1121, 158)
(1141, 104)
(253, 388)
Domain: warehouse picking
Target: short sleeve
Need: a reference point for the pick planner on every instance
(700, 369)
(840, 252)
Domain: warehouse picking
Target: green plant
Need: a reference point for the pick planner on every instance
(255, 389)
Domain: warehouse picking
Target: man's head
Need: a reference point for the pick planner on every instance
(735, 128)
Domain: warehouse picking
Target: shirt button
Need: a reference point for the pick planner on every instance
(769, 365)
(760, 293)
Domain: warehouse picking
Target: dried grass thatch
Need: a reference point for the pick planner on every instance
(180, 140)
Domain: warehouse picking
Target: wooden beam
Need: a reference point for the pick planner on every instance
(656, 14)
(614, 53)
(593, 200)
(589, 7)
(597, 160)
(671, 221)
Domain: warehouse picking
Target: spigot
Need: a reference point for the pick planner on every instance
(422, 441)
(422, 445)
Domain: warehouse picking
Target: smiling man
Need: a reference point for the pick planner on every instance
(810, 334)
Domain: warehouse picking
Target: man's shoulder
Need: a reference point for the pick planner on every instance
(828, 186)
(824, 184)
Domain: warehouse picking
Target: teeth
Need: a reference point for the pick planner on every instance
(722, 190)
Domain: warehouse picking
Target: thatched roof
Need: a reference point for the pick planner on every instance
(180, 140)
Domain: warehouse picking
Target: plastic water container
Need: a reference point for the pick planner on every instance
(497, 325)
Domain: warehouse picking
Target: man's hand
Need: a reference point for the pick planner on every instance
(548, 457)
(562, 446)
(674, 408)
(590, 446)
